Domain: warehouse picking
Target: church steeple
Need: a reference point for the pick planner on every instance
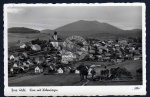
(55, 36)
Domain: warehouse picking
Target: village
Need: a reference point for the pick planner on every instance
(46, 57)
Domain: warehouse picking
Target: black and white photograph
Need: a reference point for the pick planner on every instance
(74, 46)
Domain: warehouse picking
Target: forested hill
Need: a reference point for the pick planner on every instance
(22, 30)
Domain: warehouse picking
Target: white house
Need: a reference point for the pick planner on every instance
(60, 70)
(77, 71)
(11, 57)
(23, 45)
(11, 70)
(120, 60)
(137, 58)
(15, 65)
(55, 44)
(38, 69)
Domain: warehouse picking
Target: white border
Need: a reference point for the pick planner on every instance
(77, 90)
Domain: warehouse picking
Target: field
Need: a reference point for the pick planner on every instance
(13, 38)
(74, 79)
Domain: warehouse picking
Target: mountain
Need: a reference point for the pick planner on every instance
(95, 29)
(22, 30)
(83, 25)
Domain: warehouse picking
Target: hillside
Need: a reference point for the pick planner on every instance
(88, 26)
(95, 29)
(22, 30)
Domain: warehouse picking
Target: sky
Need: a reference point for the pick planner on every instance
(52, 17)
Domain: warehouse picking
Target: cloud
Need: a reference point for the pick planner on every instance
(14, 10)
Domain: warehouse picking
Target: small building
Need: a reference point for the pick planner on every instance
(15, 65)
(38, 69)
(77, 71)
(120, 60)
(137, 57)
(55, 44)
(116, 45)
(11, 57)
(14, 70)
(22, 45)
(60, 70)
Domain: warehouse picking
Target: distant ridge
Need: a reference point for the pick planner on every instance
(23, 30)
(83, 25)
(95, 29)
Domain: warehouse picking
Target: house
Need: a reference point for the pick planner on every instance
(11, 70)
(15, 70)
(15, 65)
(55, 44)
(116, 45)
(67, 56)
(11, 57)
(137, 57)
(77, 71)
(60, 71)
(14, 56)
(38, 69)
(36, 47)
(23, 45)
(120, 60)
